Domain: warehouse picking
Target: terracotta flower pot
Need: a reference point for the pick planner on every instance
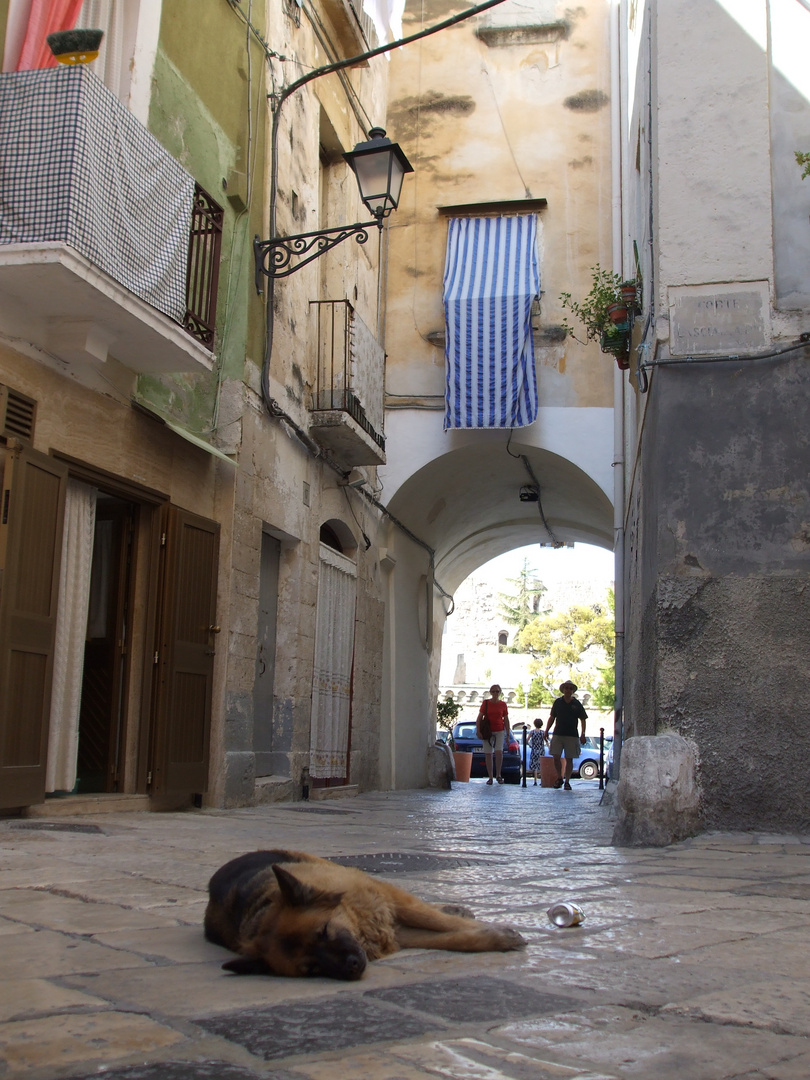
(463, 763)
(617, 313)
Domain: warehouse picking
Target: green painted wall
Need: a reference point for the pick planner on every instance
(208, 108)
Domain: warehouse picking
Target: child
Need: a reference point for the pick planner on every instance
(537, 746)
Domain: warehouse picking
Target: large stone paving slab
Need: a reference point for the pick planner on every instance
(184, 1070)
(54, 1043)
(472, 1000)
(326, 1024)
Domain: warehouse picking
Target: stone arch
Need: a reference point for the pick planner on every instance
(336, 534)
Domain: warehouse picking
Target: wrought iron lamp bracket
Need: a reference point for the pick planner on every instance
(273, 257)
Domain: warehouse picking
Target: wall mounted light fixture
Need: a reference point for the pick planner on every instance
(379, 167)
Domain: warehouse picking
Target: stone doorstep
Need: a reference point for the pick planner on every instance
(270, 789)
(348, 791)
(75, 805)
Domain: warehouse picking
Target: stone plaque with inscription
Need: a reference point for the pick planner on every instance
(713, 320)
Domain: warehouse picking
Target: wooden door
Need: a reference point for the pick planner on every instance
(185, 654)
(31, 522)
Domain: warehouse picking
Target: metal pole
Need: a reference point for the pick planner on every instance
(601, 759)
(524, 754)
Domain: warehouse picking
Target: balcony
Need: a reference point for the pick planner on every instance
(347, 401)
(108, 249)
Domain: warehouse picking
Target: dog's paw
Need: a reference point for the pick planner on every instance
(457, 909)
(509, 939)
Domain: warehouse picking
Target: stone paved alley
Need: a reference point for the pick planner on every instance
(692, 963)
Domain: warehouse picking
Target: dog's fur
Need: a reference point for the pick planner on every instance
(289, 913)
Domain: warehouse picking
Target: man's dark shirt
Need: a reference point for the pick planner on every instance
(566, 715)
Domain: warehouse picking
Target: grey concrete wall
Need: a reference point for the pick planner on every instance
(719, 646)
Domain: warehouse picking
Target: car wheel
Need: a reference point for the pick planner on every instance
(588, 770)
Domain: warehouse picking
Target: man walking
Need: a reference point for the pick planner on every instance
(566, 712)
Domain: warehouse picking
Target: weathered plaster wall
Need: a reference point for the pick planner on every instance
(718, 504)
(511, 105)
(721, 651)
(282, 489)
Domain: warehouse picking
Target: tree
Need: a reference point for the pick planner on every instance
(579, 644)
(522, 607)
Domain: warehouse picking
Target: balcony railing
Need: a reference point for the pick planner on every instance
(202, 282)
(349, 382)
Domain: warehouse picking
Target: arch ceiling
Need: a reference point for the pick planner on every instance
(466, 505)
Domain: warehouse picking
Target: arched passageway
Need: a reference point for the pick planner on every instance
(466, 506)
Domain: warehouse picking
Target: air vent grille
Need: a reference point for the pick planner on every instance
(17, 414)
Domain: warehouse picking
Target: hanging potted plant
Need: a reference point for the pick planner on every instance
(605, 314)
(75, 46)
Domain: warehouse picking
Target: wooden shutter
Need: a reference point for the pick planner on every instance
(185, 654)
(31, 520)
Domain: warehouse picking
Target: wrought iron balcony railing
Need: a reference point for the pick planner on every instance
(350, 381)
(202, 281)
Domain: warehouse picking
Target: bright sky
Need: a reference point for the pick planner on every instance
(582, 561)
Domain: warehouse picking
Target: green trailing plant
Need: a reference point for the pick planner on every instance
(446, 712)
(803, 160)
(592, 310)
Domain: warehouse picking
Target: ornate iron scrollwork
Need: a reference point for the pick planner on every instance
(273, 256)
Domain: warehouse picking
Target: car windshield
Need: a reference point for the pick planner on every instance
(465, 731)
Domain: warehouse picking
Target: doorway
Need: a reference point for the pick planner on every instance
(106, 649)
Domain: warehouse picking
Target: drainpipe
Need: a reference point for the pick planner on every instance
(617, 159)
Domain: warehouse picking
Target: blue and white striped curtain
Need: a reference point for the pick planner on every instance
(491, 277)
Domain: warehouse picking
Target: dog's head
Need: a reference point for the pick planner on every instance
(306, 933)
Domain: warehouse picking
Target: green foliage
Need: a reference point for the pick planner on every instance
(803, 159)
(579, 644)
(446, 712)
(592, 311)
(522, 606)
(604, 693)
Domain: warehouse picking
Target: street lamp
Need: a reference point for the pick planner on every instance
(379, 167)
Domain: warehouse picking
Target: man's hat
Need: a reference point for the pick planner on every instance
(568, 683)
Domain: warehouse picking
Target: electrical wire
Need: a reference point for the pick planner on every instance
(536, 485)
(269, 53)
(366, 540)
(731, 358)
(352, 96)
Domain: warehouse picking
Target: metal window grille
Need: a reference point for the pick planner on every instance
(204, 247)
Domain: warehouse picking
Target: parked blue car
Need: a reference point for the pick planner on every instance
(464, 738)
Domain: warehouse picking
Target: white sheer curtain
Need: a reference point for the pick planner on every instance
(71, 630)
(334, 652)
(106, 15)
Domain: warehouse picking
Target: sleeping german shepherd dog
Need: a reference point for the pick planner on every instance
(288, 913)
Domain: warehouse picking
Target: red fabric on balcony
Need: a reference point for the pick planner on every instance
(47, 16)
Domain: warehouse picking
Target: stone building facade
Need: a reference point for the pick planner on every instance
(716, 462)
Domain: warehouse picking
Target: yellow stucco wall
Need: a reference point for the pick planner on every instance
(520, 117)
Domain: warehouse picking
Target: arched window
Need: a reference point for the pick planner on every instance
(503, 640)
(330, 538)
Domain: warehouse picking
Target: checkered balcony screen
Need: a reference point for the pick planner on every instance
(77, 168)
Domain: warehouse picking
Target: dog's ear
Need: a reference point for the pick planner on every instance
(297, 894)
(247, 965)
